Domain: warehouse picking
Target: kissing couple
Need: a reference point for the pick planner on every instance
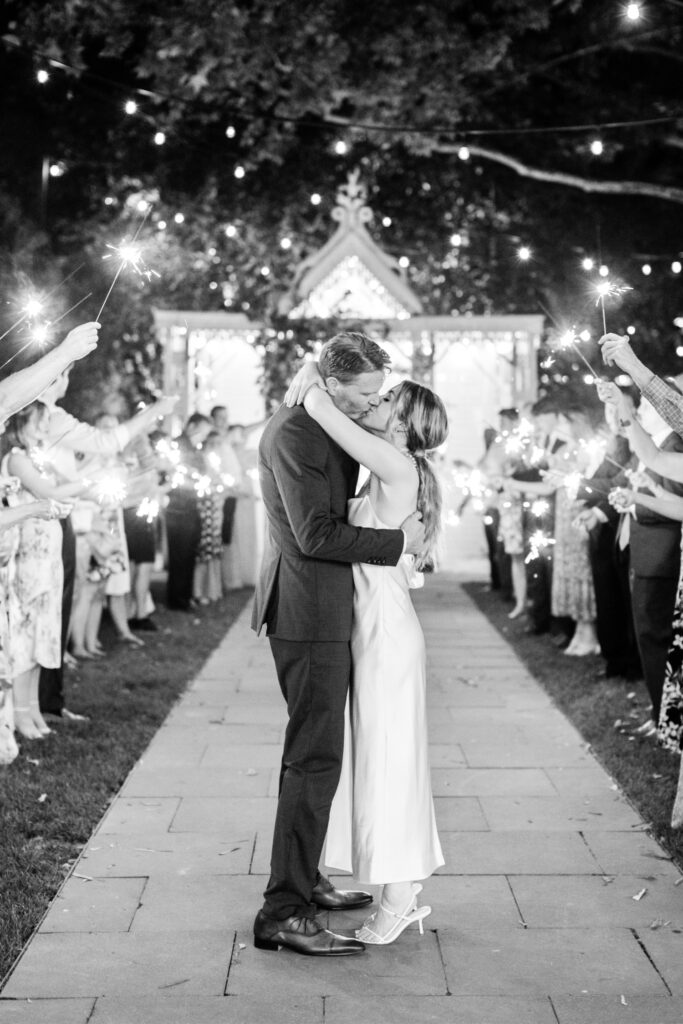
(349, 653)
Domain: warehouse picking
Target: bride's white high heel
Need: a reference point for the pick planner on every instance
(412, 914)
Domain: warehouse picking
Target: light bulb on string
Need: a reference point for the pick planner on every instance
(285, 243)
(239, 171)
(386, 222)
(159, 138)
(179, 218)
(42, 76)
(676, 267)
(524, 253)
(587, 263)
(633, 12)
(340, 147)
(456, 239)
(604, 270)
(230, 132)
(130, 107)
(230, 231)
(316, 199)
(464, 153)
(646, 269)
(597, 148)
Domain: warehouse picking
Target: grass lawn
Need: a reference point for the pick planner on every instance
(56, 791)
(606, 713)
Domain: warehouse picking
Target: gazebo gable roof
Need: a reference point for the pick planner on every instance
(352, 247)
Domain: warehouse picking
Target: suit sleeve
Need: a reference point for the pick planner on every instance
(299, 466)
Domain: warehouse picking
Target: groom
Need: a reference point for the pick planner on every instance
(305, 598)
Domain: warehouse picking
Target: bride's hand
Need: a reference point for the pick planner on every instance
(304, 379)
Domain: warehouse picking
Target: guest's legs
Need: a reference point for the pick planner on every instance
(518, 569)
(27, 718)
(654, 601)
(51, 686)
(141, 585)
(119, 614)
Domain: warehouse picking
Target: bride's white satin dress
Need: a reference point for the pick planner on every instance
(382, 824)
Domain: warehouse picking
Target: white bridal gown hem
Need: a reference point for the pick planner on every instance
(382, 823)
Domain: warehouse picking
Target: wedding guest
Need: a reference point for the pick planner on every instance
(210, 501)
(655, 547)
(67, 436)
(608, 552)
(183, 525)
(232, 473)
(141, 508)
(117, 585)
(35, 579)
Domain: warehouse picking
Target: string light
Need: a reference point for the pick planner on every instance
(633, 12)
(42, 76)
(524, 253)
(646, 269)
(386, 222)
(316, 199)
(587, 263)
(404, 262)
(161, 225)
(57, 169)
(285, 243)
(179, 218)
(464, 153)
(230, 231)
(265, 271)
(130, 107)
(109, 200)
(230, 132)
(239, 171)
(597, 147)
(604, 270)
(630, 329)
(456, 239)
(340, 147)
(159, 138)
(676, 267)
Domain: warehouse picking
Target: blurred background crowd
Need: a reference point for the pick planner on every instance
(582, 507)
(89, 512)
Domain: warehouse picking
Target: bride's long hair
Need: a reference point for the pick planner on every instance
(423, 416)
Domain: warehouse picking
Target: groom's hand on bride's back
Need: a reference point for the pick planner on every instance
(413, 527)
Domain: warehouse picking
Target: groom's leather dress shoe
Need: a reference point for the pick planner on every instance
(325, 896)
(302, 935)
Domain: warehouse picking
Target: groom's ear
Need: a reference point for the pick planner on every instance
(332, 384)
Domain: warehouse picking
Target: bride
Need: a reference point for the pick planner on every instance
(382, 825)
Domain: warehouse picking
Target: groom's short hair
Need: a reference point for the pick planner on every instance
(349, 354)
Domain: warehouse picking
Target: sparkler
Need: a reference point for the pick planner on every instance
(566, 340)
(538, 543)
(41, 333)
(148, 509)
(128, 255)
(34, 305)
(111, 490)
(605, 289)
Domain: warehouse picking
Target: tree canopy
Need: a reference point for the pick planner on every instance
(475, 125)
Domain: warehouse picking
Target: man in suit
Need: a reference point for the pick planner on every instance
(655, 559)
(304, 596)
(609, 551)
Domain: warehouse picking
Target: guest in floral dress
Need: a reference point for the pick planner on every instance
(35, 573)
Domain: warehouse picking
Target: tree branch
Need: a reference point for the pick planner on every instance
(620, 188)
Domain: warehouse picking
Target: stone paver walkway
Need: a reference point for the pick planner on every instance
(554, 905)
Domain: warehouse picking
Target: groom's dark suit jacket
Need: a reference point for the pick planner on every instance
(305, 587)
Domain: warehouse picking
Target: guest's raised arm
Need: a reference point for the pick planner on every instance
(667, 464)
(23, 387)
(616, 350)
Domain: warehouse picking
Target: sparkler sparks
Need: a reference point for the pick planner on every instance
(566, 340)
(609, 289)
(148, 509)
(539, 542)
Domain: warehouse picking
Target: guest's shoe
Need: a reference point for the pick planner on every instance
(38, 720)
(517, 611)
(65, 716)
(302, 935)
(325, 896)
(146, 625)
(412, 914)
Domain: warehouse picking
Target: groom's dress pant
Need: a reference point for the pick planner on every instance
(314, 679)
